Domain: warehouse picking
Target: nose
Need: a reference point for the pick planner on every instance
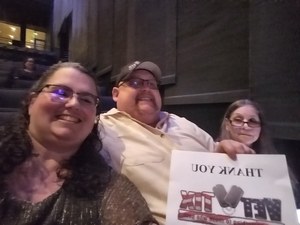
(73, 101)
(244, 125)
(145, 87)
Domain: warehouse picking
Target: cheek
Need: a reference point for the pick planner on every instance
(90, 115)
(158, 99)
(233, 132)
(41, 106)
(128, 97)
(257, 133)
(90, 123)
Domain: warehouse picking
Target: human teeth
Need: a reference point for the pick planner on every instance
(145, 98)
(69, 118)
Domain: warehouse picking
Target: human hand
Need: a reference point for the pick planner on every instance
(231, 148)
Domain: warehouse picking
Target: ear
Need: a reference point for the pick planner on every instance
(115, 93)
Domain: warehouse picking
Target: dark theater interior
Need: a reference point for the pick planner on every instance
(211, 54)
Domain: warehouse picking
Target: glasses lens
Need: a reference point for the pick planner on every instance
(237, 122)
(152, 84)
(140, 83)
(135, 83)
(88, 99)
(60, 93)
(253, 123)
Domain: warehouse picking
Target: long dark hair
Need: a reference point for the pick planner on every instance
(264, 144)
(87, 172)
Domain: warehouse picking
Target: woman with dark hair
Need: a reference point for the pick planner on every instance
(51, 171)
(244, 121)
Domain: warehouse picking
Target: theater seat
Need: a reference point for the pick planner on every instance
(23, 84)
(10, 99)
(106, 103)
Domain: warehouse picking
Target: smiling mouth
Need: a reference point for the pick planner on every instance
(145, 97)
(68, 118)
(145, 100)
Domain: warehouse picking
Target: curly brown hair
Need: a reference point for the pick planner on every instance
(87, 172)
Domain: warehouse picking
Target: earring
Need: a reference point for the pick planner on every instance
(97, 119)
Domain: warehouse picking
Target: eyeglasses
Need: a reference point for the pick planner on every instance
(63, 94)
(236, 122)
(138, 83)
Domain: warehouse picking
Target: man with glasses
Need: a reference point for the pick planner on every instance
(138, 137)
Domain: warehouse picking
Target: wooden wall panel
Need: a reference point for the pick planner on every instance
(275, 64)
(103, 37)
(146, 30)
(212, 52)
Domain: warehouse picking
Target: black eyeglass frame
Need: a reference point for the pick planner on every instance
(68, 89)
(127, 82)
(250, 123)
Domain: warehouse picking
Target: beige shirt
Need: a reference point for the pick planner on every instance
(143, 153)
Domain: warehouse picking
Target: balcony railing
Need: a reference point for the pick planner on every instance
(38, 44)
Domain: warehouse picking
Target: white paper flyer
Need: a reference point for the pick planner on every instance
(210, 188)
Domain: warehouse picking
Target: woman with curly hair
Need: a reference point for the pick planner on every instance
(51, 171)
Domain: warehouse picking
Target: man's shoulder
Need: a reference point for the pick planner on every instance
(175, 117)
(114, 118)
(109, 113)
(183, 123)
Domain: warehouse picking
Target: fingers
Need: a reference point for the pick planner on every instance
(248, 150)
(242, 149)
(231, 148)
(231, 154)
